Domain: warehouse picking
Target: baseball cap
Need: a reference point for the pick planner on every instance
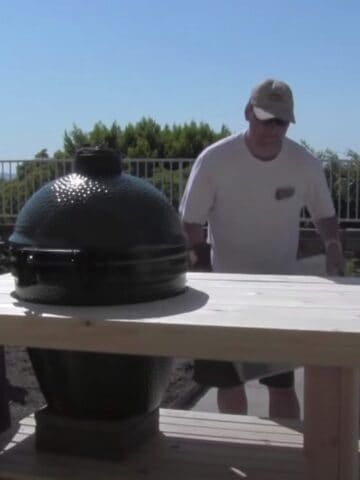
(273, 99)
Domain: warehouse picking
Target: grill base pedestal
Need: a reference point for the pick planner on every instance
(104, 439)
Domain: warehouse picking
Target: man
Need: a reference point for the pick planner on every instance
(249, 188)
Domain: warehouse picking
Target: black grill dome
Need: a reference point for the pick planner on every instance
(97, 236)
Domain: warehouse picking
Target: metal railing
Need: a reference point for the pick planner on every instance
(19, 179)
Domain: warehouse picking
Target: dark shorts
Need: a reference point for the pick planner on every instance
(223, 374)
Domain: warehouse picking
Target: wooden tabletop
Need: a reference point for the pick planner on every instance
(306, 320)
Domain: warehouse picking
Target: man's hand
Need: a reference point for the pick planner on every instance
(335, 263)
(198, 254)
(192, 259)
(199, 258)
(328, 229)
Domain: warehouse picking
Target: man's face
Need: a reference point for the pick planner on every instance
(266, 133)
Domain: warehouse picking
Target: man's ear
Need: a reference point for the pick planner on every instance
(247, 112)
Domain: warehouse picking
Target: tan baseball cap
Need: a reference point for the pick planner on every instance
(273, 99)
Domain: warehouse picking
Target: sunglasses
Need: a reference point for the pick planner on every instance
(273, 121)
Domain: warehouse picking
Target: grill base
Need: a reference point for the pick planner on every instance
(110, 440)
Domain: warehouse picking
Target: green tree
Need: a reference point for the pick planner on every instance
(142, 140)
(73, 140)
(145, 140)
(59, 155)
(42, 154)
(99, 135)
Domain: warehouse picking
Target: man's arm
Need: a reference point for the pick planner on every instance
(194, 234)
(195, 205)
(328, 229)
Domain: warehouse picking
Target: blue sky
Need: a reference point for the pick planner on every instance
(80, 61)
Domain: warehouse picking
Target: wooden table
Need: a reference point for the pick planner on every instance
(309, 321)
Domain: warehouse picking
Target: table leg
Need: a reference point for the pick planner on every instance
(331, 423)
(4, 400)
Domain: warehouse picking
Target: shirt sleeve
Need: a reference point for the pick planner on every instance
(317, 193)
(199, 194)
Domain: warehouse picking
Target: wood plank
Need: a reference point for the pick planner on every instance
(331, 423)
(204, 322)
(241, 429)
(222, 299)
(349, 424)
(175, 456)
(194, 341)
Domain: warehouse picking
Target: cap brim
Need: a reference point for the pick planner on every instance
(261, 114)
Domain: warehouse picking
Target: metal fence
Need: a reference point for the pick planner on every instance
(19, 179)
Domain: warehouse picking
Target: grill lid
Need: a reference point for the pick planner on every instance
(97, 236)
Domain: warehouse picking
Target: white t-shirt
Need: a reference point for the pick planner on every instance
(253, 207)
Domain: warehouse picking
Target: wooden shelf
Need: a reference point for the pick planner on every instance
(192, 445)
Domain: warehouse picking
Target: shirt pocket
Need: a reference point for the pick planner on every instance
(284, 193)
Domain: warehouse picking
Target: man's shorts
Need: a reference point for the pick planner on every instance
(223, 375)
